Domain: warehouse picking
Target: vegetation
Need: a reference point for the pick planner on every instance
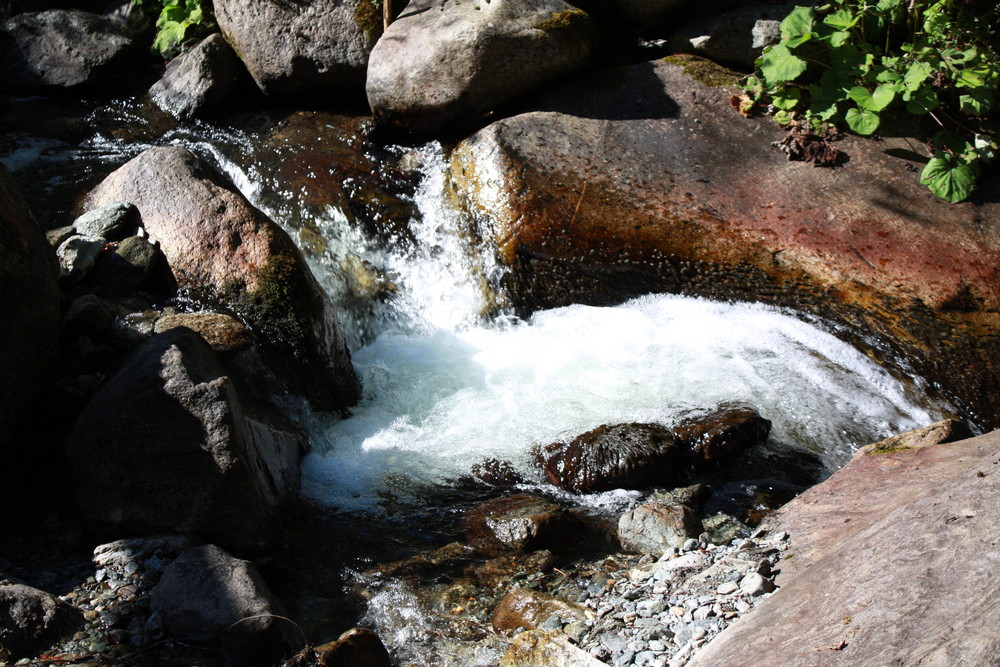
(179, 23)
(855, 63)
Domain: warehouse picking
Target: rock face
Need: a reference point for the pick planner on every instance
(31, 619)
(894, 564)
(201, 81)
(61, 48)
(442, 61)
(297, 47)
(518, 524)
(208, 597)
(641, 178)
(655, 527)
(639, 456)
(30, 294)
(168, 445)
(214, 239)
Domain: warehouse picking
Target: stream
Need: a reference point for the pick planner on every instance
(451, 378)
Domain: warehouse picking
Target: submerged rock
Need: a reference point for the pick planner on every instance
(208, 597)
(215, 240)
(169, 444)
(61, 48)
(301, 47)
(441, 62)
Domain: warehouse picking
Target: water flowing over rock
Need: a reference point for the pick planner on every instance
(208, 597)
(169, 445)
(894, 563)
(31, 619)
(440, 62)
(213, 238)
(61, 48)
(202, 81)
(641, 178)
(30, 294)
(301, 47)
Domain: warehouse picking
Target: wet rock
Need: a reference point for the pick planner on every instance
(947, 430)
(497, 571)
(307, 47)
(525, 609)
(31, 620)
(619, 456)
(111, 222)
(715, 440)
(655, 527)
(77, 255)
(208, 597)
(215, 240)
(30, 293)
(518, 523)
(546, 649)
(61, 48)
(202, 81)
(211, 463)
(445, 61)
(693, 496)
(684, 195)
(450, 555)
(223, 333)
(358, 647)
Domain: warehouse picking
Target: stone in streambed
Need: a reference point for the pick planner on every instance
(208, 597)
(110, 222)
(715, 440)
(441, 62)
(655, 527)
(358, 647)
(519, 523)
(525, 609)
(537, 648)
(214, 240)
(31, 620)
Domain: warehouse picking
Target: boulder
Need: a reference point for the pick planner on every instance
(111, 222)
(715, 440)
(644, 178)
(129, 265)
(30, 294)
(201, 82)
(31, 620)
(617, 456)
(61, 48)
(654, 527)
(77, 256)
(440, 62)
(735, 37)
(301, 47)
(223, 333)
(170, 443)
(894, 563)
(526, 609)
(546, 649)
(358, 647)
(210, 598)
(215, 240)
(518, 524)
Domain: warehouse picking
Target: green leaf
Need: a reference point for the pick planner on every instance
(787, 99)
(977, 102)
(949, 178)
(847, 60)
(862, 121)
(883, 96)
(842, 19)
(921, 101)
(779, 65)
(798, 22)
(916, 75)
(839, 38)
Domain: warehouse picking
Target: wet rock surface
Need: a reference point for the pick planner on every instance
(519, 523)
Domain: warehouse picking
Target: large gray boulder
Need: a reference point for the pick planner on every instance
(215, 240)
(442, 61)
(208, 597)
(200, 82)
(31, 620)
(300, 47)
(61, 48)
(30, 293)
(171, 444)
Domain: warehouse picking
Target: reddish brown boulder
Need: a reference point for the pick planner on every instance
(714, 441)
(519, 523)
(642, 178)
(525, 609)
(358, 647)
(215, 240)
(894, 563)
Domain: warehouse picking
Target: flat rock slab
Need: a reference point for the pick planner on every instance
(895, 562)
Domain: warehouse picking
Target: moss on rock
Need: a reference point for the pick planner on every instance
(704, 71)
